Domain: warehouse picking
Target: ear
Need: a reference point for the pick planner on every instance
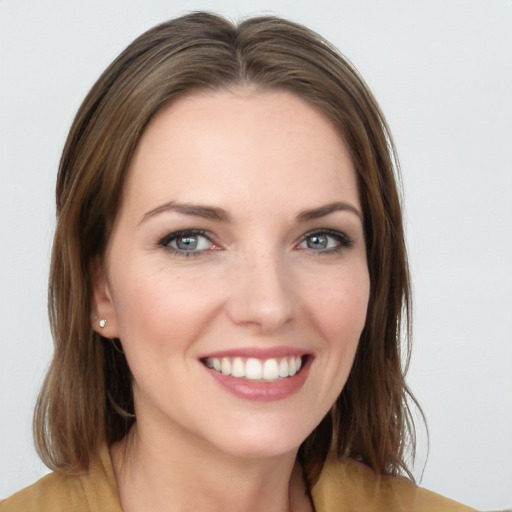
(103, 310)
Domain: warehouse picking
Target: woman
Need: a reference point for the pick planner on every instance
(228, 285)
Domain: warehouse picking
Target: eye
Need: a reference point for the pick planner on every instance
(325, 241)
(187, 242)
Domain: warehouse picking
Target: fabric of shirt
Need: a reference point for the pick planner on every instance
(345, 486)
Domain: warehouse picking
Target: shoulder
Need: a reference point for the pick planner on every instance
(54, 492)
(351, 486)
(94, 491)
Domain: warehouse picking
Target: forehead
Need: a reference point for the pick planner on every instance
(268, 146)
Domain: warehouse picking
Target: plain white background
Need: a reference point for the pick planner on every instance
(442, 72)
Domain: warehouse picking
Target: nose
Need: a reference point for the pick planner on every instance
(261, 292)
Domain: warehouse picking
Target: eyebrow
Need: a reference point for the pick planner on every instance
(322, 211)
(206, 212)
(218, 214)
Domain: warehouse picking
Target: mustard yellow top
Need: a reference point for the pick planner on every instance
(343, 487)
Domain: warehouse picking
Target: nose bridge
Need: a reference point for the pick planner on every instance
(262, 291)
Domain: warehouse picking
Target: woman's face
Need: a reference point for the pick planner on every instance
(237, 254)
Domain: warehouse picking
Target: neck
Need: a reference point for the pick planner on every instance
(154, 473)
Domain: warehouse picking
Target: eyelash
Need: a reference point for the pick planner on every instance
(343, 241)
(171, 237)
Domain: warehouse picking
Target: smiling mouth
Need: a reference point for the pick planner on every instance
(253, 369)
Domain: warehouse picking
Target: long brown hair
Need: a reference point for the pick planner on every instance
(86, 398)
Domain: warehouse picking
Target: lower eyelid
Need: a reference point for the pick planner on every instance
(168, 239)
(341, 238)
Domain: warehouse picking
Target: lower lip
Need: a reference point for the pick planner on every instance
(262, 391)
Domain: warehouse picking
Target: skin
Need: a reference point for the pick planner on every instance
(258, 281)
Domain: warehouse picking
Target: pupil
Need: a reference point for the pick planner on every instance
(187, 243)
(317, 242)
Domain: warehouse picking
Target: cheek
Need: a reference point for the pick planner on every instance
(163, 308)
(339, 306)
(338, 312)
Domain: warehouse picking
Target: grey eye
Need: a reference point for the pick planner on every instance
(317, 242)
(187, 243)
(327, 241)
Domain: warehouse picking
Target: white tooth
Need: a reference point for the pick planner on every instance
(238, 368)
(226, 366)
(292, 370)
(209, 362)
(283, 368)
(298, 363)
(216, 364)
(270, 370)
(253, 369)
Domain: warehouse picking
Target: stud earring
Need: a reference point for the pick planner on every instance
(102, 323)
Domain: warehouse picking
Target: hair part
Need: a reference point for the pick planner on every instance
(86, 398)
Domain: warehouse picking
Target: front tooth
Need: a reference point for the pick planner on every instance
(226, 366)
(270, 370)
(298, 363)
(292, 370)
(216, 364)
(283, 368)
(238, 368)
(253, 369)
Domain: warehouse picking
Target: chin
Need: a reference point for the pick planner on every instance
(261, 441)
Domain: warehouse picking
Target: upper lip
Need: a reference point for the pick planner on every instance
(258, 352)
